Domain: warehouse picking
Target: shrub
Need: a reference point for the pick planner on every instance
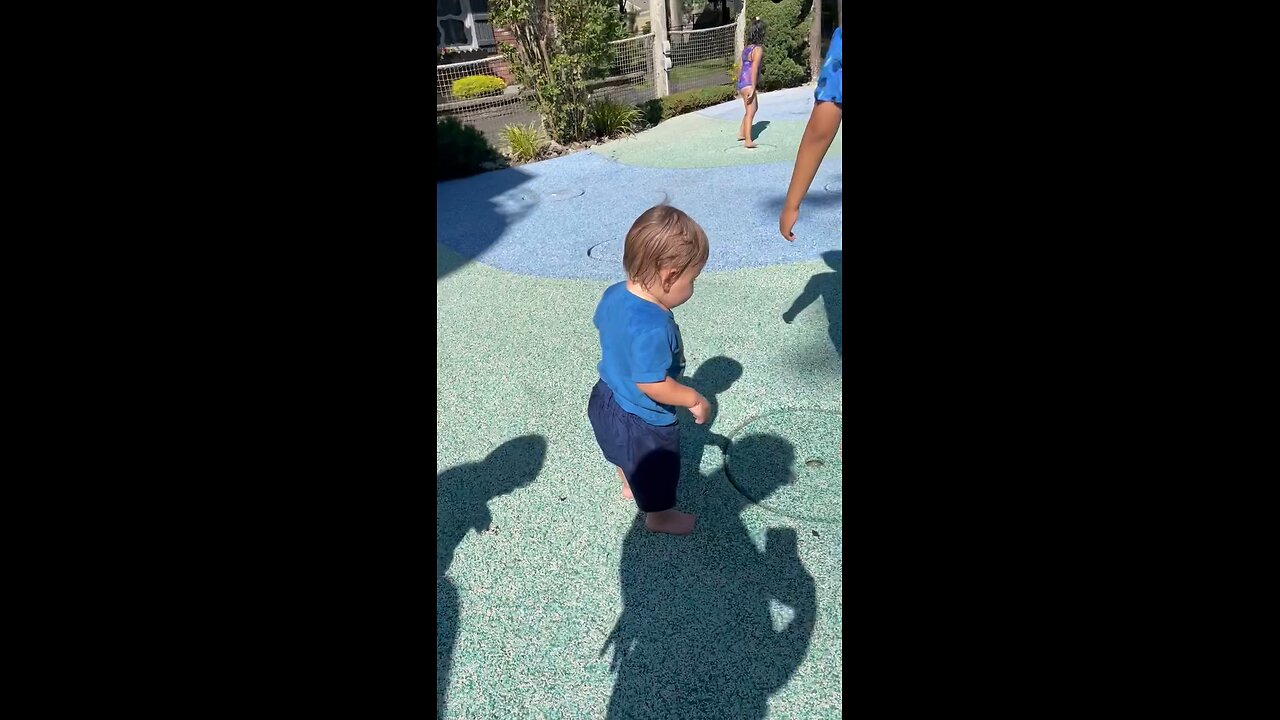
(460, 149)
(524, 143)
(786, 41)
(477, 85)
(690, 100)
(651, 112)
(609, 118)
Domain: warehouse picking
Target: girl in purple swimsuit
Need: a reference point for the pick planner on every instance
(749, 77)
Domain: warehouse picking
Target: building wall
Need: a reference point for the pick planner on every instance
(499, 64)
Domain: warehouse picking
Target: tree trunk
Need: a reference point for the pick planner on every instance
(815, 41)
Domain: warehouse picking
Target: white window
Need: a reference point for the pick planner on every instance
(463, 24)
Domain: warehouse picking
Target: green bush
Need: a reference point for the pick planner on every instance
(524, 143)
(687, 101)
(460, 149)
(650, 112)
(609, 118)
(786, 41)
(477, 85)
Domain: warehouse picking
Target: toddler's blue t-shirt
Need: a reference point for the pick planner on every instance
(639, 343)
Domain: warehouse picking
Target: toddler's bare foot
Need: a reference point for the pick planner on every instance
(748, 145)
(670, 521)
(626, 489)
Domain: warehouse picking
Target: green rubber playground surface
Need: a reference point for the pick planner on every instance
(552, 601)
(708, 142)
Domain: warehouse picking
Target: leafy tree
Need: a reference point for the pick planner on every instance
(786, 40)
(561, 44)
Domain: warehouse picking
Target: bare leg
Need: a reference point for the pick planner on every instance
(744, 128)
(626, 489)
(670, 521)
(746, 122)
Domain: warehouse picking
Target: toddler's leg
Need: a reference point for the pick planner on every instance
(655, 477)
(626, 489)
(670, 521)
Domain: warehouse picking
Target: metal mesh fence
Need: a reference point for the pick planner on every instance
(488, 113)
(630, 79)
(701, 58)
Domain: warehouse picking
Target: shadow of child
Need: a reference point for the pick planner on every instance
(828, 286)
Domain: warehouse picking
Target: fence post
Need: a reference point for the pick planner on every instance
(740, 35)
(658, 24)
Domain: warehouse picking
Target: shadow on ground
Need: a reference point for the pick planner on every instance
(462, 497)
(829, 287)
(816, 196)
(714, 376)
(757, 128)
(711, 627)
(473, 213)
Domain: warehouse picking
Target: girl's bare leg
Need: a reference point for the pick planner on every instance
(746, 122)
(744, 128)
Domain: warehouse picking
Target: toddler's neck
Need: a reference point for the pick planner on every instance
(638, 290)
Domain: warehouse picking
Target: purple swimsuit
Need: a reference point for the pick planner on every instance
(744, 77)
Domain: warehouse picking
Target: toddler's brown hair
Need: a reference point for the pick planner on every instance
(663, 237)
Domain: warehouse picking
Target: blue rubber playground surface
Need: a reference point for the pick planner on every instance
(552, 601)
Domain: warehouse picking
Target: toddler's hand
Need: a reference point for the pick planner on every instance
(787, 221)
(701, 410)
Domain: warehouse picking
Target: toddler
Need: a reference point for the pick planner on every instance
(633, 406)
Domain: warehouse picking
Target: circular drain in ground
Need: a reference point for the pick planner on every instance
(609, 250)
(789, 463)
(759, 148)
(836, 187)
(564, 194)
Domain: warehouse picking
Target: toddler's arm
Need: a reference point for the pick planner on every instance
(670, 392)
(818, 134)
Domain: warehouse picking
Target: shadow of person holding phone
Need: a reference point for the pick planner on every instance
(697, 637)
(462, 505)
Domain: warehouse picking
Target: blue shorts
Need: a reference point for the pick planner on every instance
(649, 455)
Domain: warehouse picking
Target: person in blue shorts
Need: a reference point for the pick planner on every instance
(633, 406)
(824, 121)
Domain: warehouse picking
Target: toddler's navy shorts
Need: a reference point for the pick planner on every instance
(649, 455)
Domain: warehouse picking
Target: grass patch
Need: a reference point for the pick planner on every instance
(701, 69)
